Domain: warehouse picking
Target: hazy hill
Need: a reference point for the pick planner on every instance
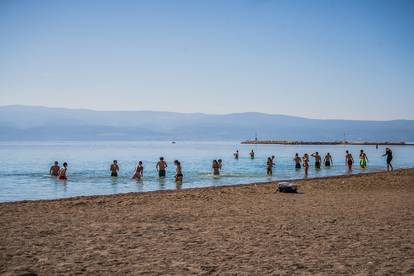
(41, 123)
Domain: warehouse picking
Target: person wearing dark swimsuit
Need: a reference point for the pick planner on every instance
(388, 153)
(114, 168)
(297, 160)
(161, 167)
(216, 168)
(328, 160)
(317, 160)
(178, 172)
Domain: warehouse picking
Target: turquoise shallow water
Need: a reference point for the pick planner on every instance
(24, 165)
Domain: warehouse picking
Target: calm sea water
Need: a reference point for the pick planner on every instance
(24, 166)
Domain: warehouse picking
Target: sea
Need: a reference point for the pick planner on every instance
(24, 166)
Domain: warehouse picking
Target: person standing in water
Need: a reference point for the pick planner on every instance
(305, 160)
(62, 172)
(251, 154)
(317, 160)
(298, 161)
(54, 170)
(216, 168)
(161, 167)
(349, 160)
(139, 171)
(236, 154)
(178, 172)
(388, 153)
(269, 165)
(114, 169)
(328, 160)
(363, 159)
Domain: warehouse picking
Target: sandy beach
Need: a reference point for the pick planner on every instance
(362, 224)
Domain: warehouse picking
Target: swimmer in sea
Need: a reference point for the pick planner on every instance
(251, 154)
(220, 163)
(305, 160)
(62, 172)
(216, 167)
(317, 160)
(269, 165)
(349, 160)
(178, 172)
(297, 160)
(236, 154)
(114, 169)
(363, 159)
(54, 170)
(328, 160)
(139, 171)
(388, 153)
(161, 167)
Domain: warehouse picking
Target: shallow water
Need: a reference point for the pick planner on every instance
(25, 165)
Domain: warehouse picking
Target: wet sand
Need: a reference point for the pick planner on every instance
(361, 224)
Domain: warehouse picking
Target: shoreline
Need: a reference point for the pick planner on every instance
(296, 180)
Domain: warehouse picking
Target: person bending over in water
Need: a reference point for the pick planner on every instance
(139, 171)
(114, 169)
(62, 172)
(236, 154)
(305, 160)
(328, 160)
(297, 160)
(317, 160)
(161, 167)
(54, 170)
(178, 172)
(269, 164)
(216, 167)
(363, 159)
(349, 160)
(388, 153)
(251, 154)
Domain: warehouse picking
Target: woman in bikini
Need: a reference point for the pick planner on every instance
(305, 160)
(178, 172)
(139, 171)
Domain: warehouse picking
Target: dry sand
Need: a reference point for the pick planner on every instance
(342, 225)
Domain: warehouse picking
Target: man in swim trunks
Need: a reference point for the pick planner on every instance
(161, 167)
(328, 160)
(363, 159)
(297, 160)
(62, 172)
(114, 169)
(251, 154)
(269, 166)
(388, 153)
(54, 170)
(349, 160)
(317, 160)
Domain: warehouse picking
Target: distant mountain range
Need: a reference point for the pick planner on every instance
(43, 123)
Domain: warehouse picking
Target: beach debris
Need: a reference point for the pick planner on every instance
(287, 187)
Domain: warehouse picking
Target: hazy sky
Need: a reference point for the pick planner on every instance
(321, 59)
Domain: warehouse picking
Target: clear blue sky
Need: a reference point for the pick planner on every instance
(320, 59)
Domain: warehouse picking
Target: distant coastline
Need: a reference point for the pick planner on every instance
(365, 143)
